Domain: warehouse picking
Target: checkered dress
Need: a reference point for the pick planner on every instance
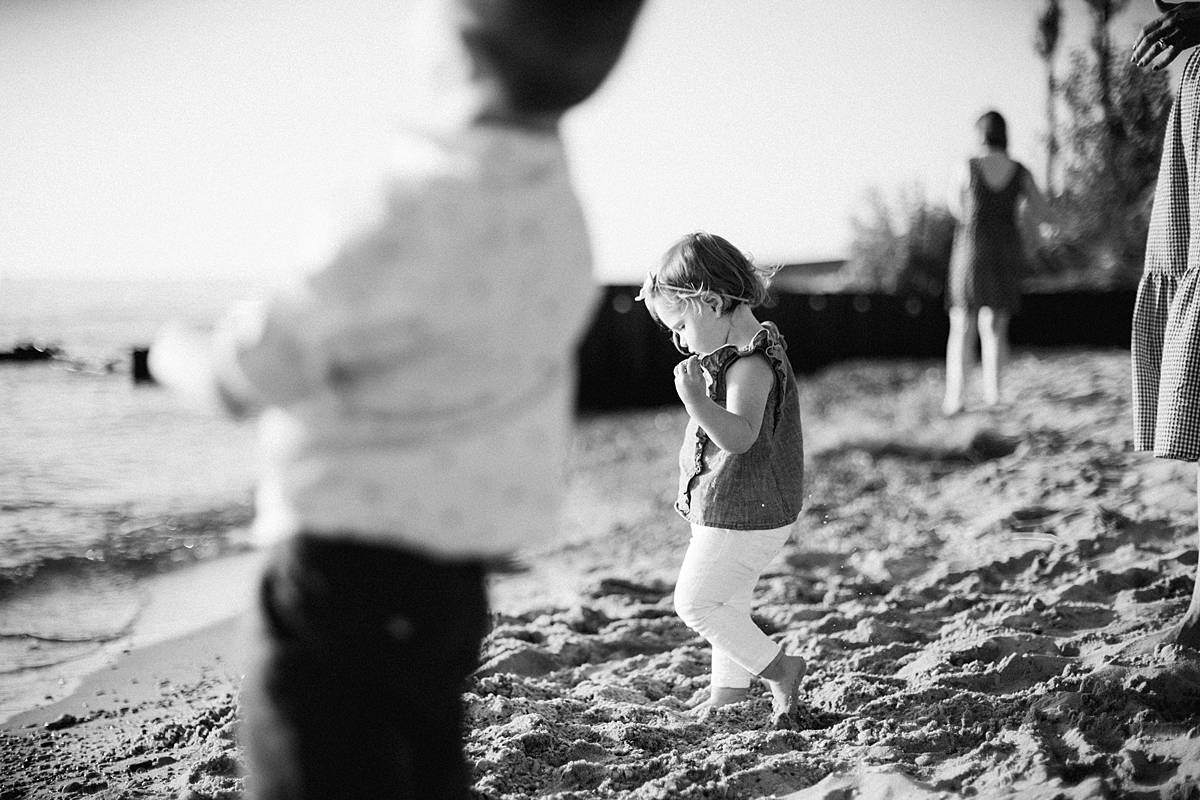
(1166, 317)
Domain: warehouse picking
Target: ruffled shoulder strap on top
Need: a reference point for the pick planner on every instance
(768, 341)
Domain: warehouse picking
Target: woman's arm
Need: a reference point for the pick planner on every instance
(748, 383)
(957, 190)
(1036, 201)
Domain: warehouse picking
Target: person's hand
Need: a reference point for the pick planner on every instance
(1049, 231)
(180, 359)
(689, 380)
(1176, 30)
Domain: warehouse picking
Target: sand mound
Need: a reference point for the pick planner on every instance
(969, 593)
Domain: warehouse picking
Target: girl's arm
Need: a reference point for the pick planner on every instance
(748, 383)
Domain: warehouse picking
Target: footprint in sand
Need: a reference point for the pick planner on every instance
(988, 445)
(1031, 519)
(1156, 646)
(1060, 618)
(848, 693)
(1102, 585)
(1016, 672)
(985, 650)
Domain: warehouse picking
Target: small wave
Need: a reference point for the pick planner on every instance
(134, 547)
(65, 639)
(22, 654)
(94, 605)
(56, 602)
(28, 505)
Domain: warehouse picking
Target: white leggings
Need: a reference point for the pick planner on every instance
(713, 593)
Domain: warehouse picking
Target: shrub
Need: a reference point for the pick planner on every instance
(899, 251)
(1110, 165)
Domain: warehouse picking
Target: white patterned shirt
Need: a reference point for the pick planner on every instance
(417, 387)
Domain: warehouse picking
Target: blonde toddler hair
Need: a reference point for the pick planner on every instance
(705, 269)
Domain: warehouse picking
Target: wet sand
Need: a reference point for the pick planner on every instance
(970, 594)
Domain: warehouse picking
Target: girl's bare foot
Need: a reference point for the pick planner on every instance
(720, 696)
(783, 677)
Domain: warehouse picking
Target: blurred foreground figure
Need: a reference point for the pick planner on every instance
(415, 397)
(1166, 317)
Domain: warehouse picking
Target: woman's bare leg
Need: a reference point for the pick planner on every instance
(959, 348)
(993, 346)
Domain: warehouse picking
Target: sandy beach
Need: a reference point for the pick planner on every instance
(977, 598)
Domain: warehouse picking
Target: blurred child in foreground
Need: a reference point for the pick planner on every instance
(415, 394)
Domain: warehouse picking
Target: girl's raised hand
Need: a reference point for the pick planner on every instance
(689, 380)
(1176, 30)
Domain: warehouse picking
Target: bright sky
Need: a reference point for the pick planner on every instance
(193, 137)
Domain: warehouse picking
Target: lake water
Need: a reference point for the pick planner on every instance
(104, 483)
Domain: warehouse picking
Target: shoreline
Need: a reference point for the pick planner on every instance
(178, 603)
(197, 616)
(138, 675)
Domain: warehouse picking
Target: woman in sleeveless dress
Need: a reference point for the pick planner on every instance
(984, 287)
(1166, 316)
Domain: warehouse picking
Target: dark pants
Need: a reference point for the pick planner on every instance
(354, 688)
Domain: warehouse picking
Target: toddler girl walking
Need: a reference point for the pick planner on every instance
(742, 461)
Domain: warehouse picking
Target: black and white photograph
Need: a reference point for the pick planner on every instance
(599, 399)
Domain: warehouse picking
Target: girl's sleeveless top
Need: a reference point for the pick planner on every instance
(762, 488)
